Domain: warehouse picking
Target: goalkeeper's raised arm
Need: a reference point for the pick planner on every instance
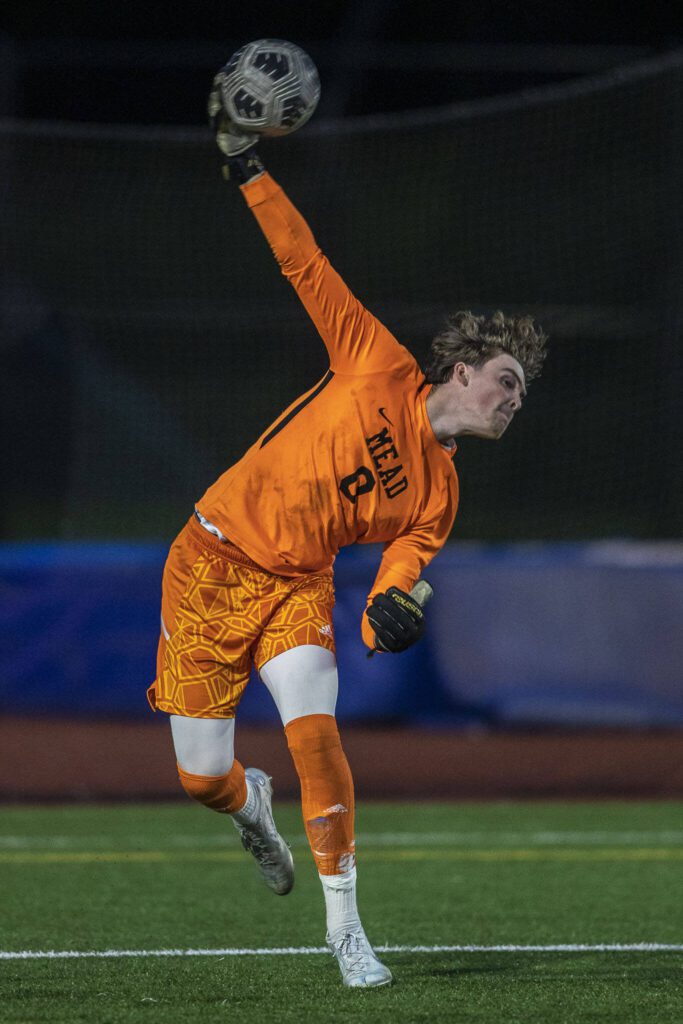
(357, 342)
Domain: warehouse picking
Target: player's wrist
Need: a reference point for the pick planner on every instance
(243, 167)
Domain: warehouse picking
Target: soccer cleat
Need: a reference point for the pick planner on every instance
(262, 839)
(358, 964)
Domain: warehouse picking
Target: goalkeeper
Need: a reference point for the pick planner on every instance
(364, 456)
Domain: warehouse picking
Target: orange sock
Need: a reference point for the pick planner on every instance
(326, 791)
(225, 793)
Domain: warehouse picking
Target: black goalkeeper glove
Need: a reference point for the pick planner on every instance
(397, 619)
(241, 162)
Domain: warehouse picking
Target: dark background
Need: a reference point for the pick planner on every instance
(140, 353)
(150, 62)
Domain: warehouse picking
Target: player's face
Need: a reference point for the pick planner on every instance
(493, 395)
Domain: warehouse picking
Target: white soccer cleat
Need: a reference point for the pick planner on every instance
(358, 964)
(262, 840)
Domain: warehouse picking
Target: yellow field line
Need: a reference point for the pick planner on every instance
(416, 854)
(658, 853)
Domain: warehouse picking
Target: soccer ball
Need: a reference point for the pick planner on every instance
(270, 87)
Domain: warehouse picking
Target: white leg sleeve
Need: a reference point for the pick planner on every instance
(204, 746)
(302, 681)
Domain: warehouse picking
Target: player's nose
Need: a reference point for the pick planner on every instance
(516, 403)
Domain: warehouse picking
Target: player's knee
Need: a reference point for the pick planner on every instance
(200, 787)
(313, 735)
(226, 793)
(317, 752)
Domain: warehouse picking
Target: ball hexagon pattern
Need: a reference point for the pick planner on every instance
(271, 87)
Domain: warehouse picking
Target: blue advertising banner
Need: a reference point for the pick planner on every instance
(569, 634)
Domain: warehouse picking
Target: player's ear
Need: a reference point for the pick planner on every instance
(461, 373)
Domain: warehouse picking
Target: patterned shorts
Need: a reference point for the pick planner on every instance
(221, 614)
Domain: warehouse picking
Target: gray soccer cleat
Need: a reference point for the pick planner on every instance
(358, 964)
(262, 839)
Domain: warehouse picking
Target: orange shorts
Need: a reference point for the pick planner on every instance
(223, 614)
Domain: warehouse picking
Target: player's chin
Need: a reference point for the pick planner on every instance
(494, 428)
(494, 431)
(500, 425)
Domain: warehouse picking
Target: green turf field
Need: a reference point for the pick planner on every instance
(145, 879)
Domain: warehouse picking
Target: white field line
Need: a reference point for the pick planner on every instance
(366, 839)
(72, 954)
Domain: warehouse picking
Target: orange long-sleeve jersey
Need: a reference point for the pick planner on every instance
(354, 459)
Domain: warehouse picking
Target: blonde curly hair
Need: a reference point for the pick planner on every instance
(476, 339)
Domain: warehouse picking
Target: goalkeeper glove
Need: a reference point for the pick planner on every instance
(397, 619)
(241, 162)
